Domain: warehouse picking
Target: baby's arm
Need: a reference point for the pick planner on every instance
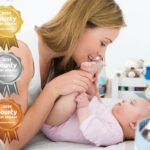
(63, 109)
(91, 127)
(83, 111)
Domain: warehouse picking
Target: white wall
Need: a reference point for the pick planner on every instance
(133, 41)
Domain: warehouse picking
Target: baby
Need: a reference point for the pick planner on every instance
(86, 120)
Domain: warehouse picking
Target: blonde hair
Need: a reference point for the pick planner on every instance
(62, 32)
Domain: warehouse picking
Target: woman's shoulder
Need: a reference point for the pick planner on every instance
(24, 53)
(23, 49)
(30, 60)
(24, 66)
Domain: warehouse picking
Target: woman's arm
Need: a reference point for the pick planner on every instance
(74, 81)
(34, 118)
(35, 115)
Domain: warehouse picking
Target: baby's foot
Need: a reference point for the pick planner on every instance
(90, 67)
(82, 100)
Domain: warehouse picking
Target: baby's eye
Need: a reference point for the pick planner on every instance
(131, 103)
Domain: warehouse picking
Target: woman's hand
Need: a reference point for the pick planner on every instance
(92, 91)
(73, 81)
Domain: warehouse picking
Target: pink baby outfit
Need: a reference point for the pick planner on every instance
(101, 128)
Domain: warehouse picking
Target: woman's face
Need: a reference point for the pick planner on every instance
(92, 43)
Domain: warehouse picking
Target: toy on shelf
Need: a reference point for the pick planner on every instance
(131, 82)
(133, 69)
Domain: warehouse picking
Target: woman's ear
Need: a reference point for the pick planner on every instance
(132, 125)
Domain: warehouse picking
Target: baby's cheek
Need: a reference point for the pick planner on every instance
(127, 113)
(119, 110)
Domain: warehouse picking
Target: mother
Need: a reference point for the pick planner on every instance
(80, 32)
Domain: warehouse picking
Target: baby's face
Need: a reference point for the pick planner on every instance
(127, 112)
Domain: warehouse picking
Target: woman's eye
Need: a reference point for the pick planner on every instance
(103, 44)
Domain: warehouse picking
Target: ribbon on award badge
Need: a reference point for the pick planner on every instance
(11, 117)
(10, 24)
(10, 71)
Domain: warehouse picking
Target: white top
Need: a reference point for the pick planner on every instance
(31, 40)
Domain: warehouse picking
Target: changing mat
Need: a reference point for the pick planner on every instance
(40, 142)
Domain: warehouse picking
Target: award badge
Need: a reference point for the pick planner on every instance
(10, 71)
(10, 24)
(11, 117)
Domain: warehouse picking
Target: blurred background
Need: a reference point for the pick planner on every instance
(133, 41)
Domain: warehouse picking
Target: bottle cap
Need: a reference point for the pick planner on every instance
(147, 75)
(102, 80)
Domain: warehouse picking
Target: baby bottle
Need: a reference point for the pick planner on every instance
(146, 131)
(142, 135)
(101, 78)
(147, 77)
(102, 82)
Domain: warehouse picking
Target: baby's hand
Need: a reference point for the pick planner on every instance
(82, 100)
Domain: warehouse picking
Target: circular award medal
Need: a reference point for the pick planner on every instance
(10, 71)
(10, 24)
(10, 119)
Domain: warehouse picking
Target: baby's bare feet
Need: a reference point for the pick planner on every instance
(82, 100)
(90, 67)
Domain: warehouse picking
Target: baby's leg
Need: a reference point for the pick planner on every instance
(66, 105)
(63, 109)
(92, 68)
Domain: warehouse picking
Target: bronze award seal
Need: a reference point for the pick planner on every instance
(11, 117)
(10, 24)
(10, 71)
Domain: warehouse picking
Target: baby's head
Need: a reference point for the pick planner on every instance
(129, 113)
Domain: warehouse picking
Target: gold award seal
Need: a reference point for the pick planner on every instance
(10, 119)
(10, 24)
